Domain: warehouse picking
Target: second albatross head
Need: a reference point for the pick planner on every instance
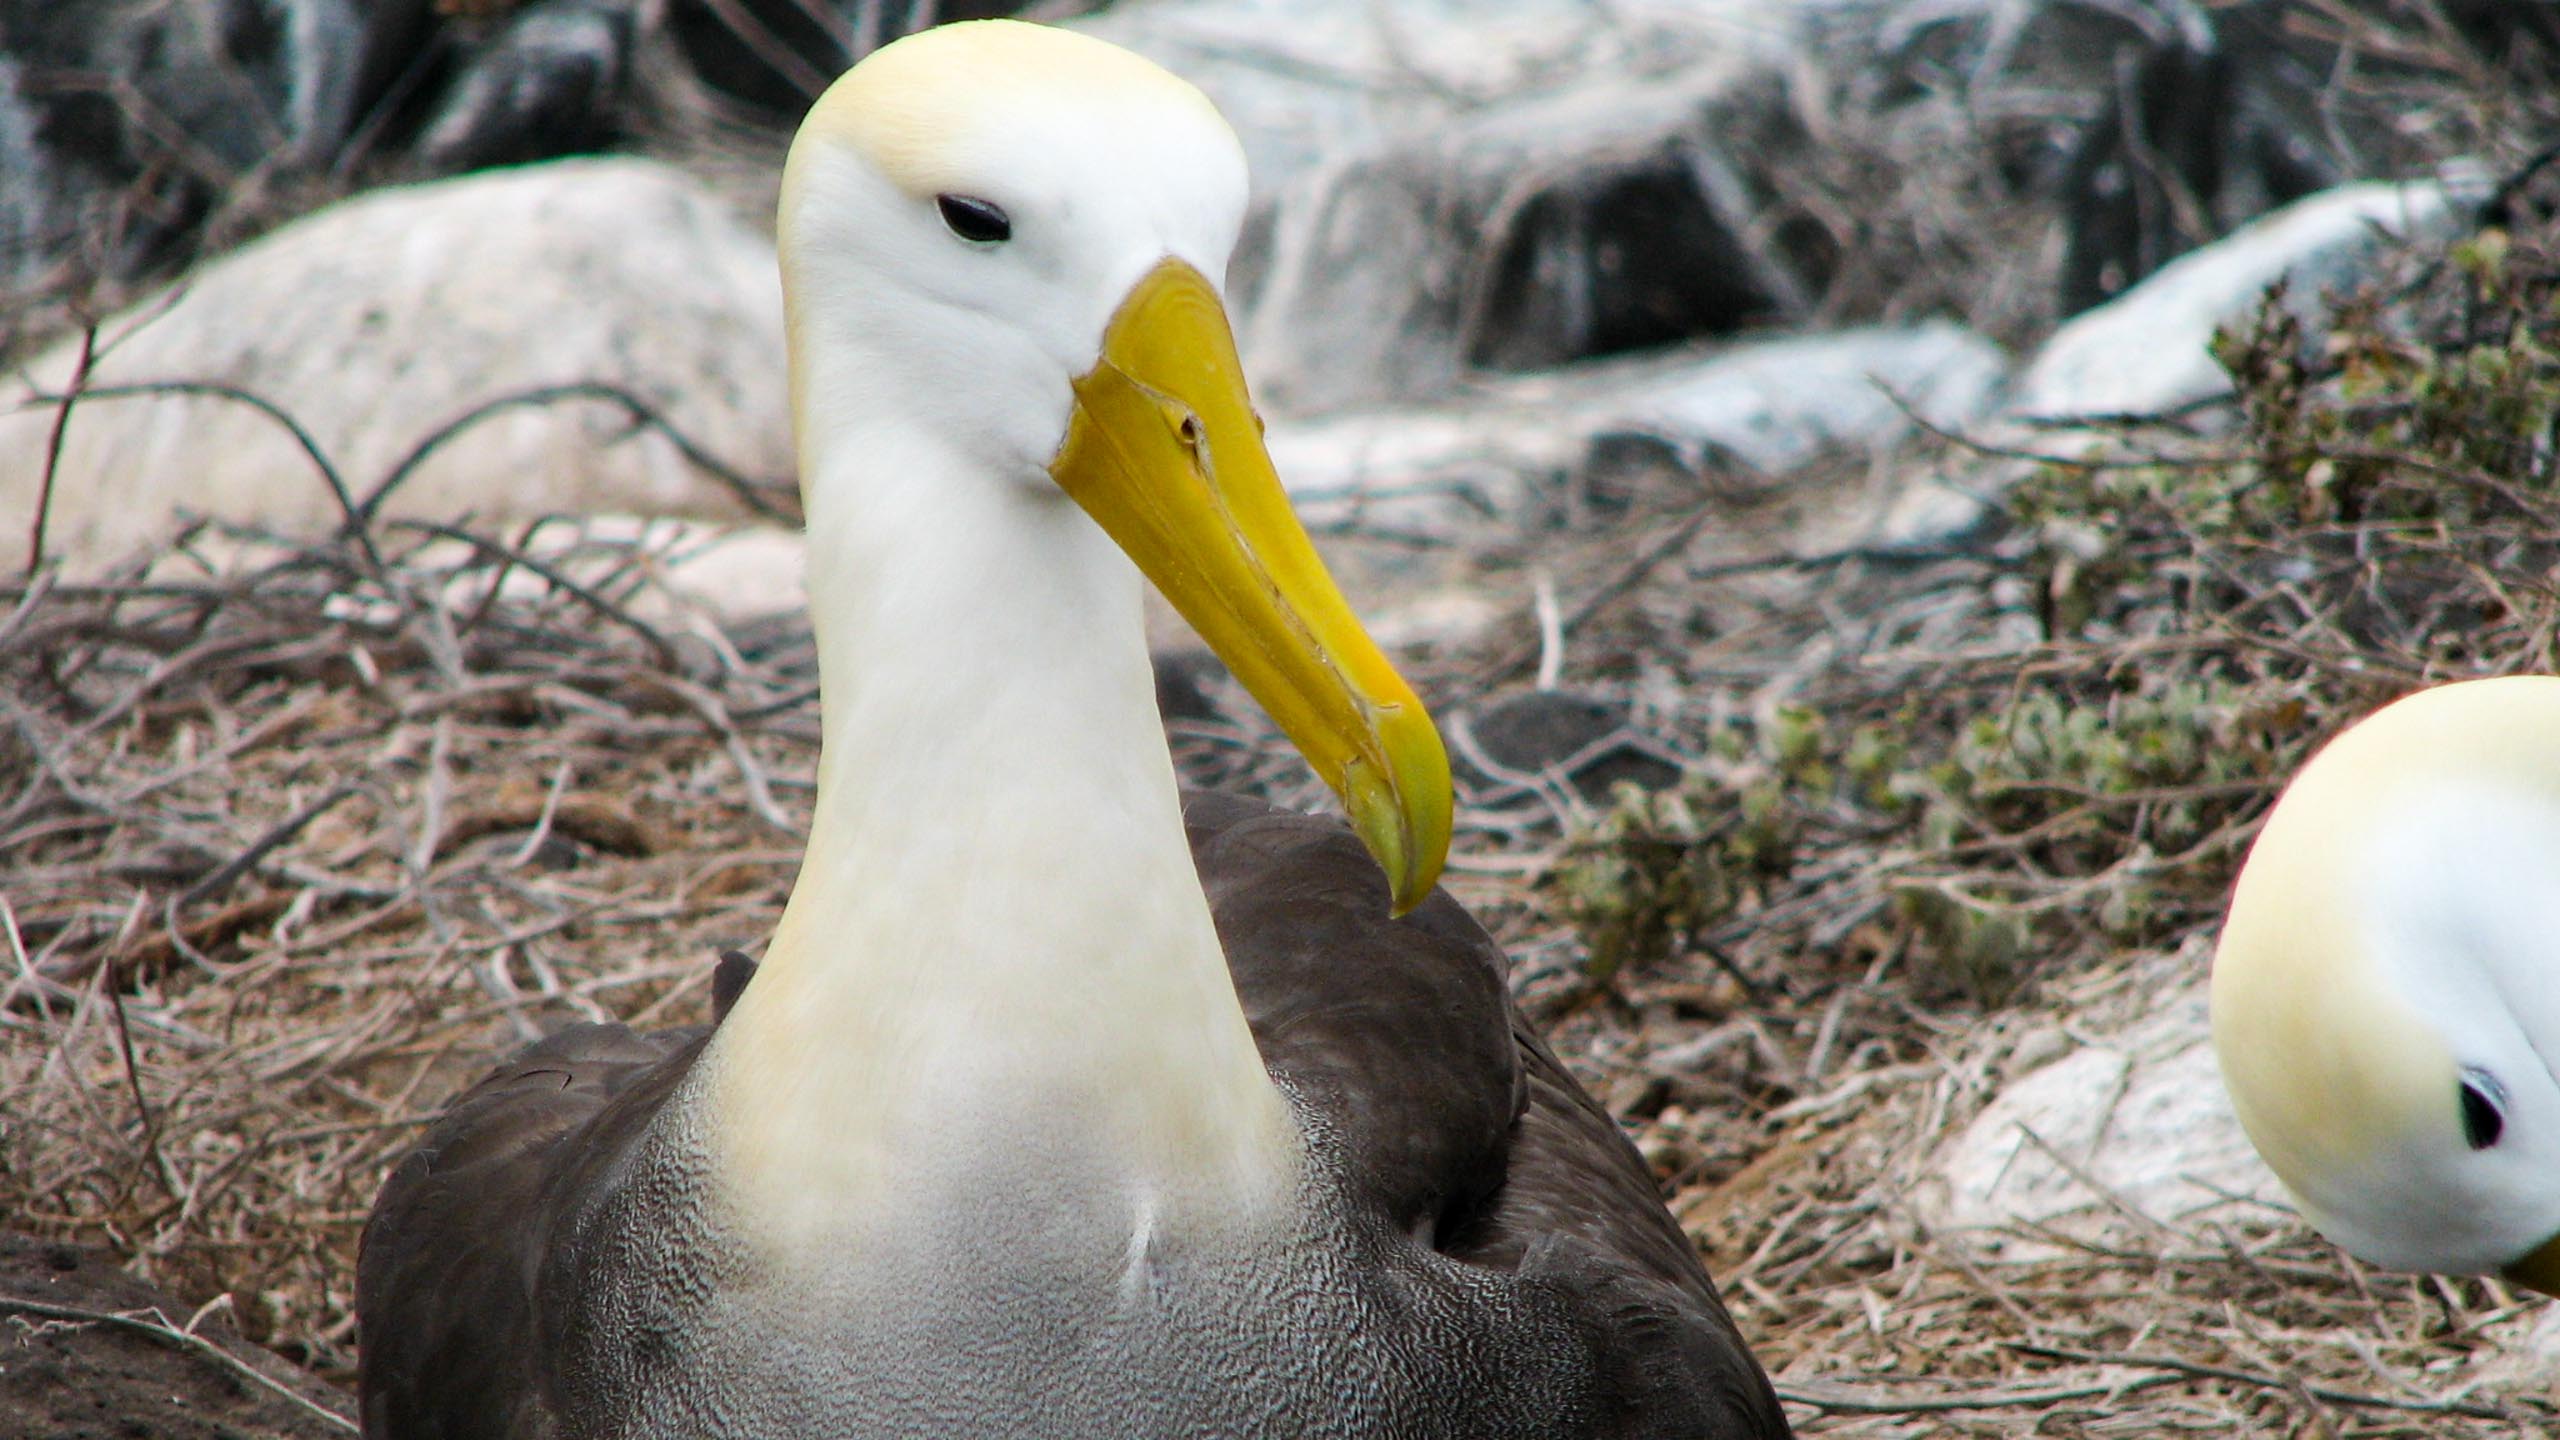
(1011, 237)
(2386, 997)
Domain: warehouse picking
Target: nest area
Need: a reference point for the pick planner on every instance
(288, 855)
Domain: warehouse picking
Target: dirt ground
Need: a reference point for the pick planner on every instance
(94, 1354)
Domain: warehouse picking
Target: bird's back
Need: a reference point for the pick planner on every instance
(1459, 1133)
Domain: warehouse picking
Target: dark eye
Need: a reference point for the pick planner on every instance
(973, 219)
(2483, 1108)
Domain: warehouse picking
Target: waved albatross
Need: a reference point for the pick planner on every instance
(2386, 997)
(1061, 1104)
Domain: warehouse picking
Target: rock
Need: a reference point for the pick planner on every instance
(2149, 349)
(1589, 223)
(2138, 1123)
(222, 114)
(1443, 187)
(553, 81)
(2146, 130)
(2164, 124)
(775, 56)
(1767, 407)
(1306, 82)
(2186, 147)
(211, 101)
(381, 319)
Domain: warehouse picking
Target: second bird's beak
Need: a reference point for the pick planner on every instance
(1165, 452)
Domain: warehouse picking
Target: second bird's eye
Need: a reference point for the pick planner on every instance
(2483, 1115)
(970, 218)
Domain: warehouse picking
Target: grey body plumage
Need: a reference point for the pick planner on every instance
(1477, 1251)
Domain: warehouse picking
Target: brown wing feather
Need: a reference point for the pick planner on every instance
(445, 1281)
(1393, 1032)
(1404, 1035)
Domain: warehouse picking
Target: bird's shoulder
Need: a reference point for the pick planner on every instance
(1393, 1034)
(448, 1268)
(1453, 1118)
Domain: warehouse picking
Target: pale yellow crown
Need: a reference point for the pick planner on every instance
(925, 107)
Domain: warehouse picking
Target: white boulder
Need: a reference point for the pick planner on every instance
(1767, 406)
(2150, 349)
(1441, 186)
(2130, 1131)
(377, 321)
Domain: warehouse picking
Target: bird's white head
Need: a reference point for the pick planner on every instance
(1002, 247)
(963, 212)
(2386, 995)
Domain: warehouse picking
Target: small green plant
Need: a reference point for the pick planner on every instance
(2385, 511)
(1661, 868)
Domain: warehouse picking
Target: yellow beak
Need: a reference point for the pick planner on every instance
(2539, 1270)
(1165, 452)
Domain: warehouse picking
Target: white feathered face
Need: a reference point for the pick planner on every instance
(2387, 993)
(964, 212)
(2461, 904)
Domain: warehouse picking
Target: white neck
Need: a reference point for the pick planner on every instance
(997, 967)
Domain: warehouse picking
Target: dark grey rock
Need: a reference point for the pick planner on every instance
(552, 83)
(1505, 745)
(135, 132)
(774, 56)
(2148, 128)
(2186, 146)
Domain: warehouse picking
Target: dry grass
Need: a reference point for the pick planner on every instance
(290, 856)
